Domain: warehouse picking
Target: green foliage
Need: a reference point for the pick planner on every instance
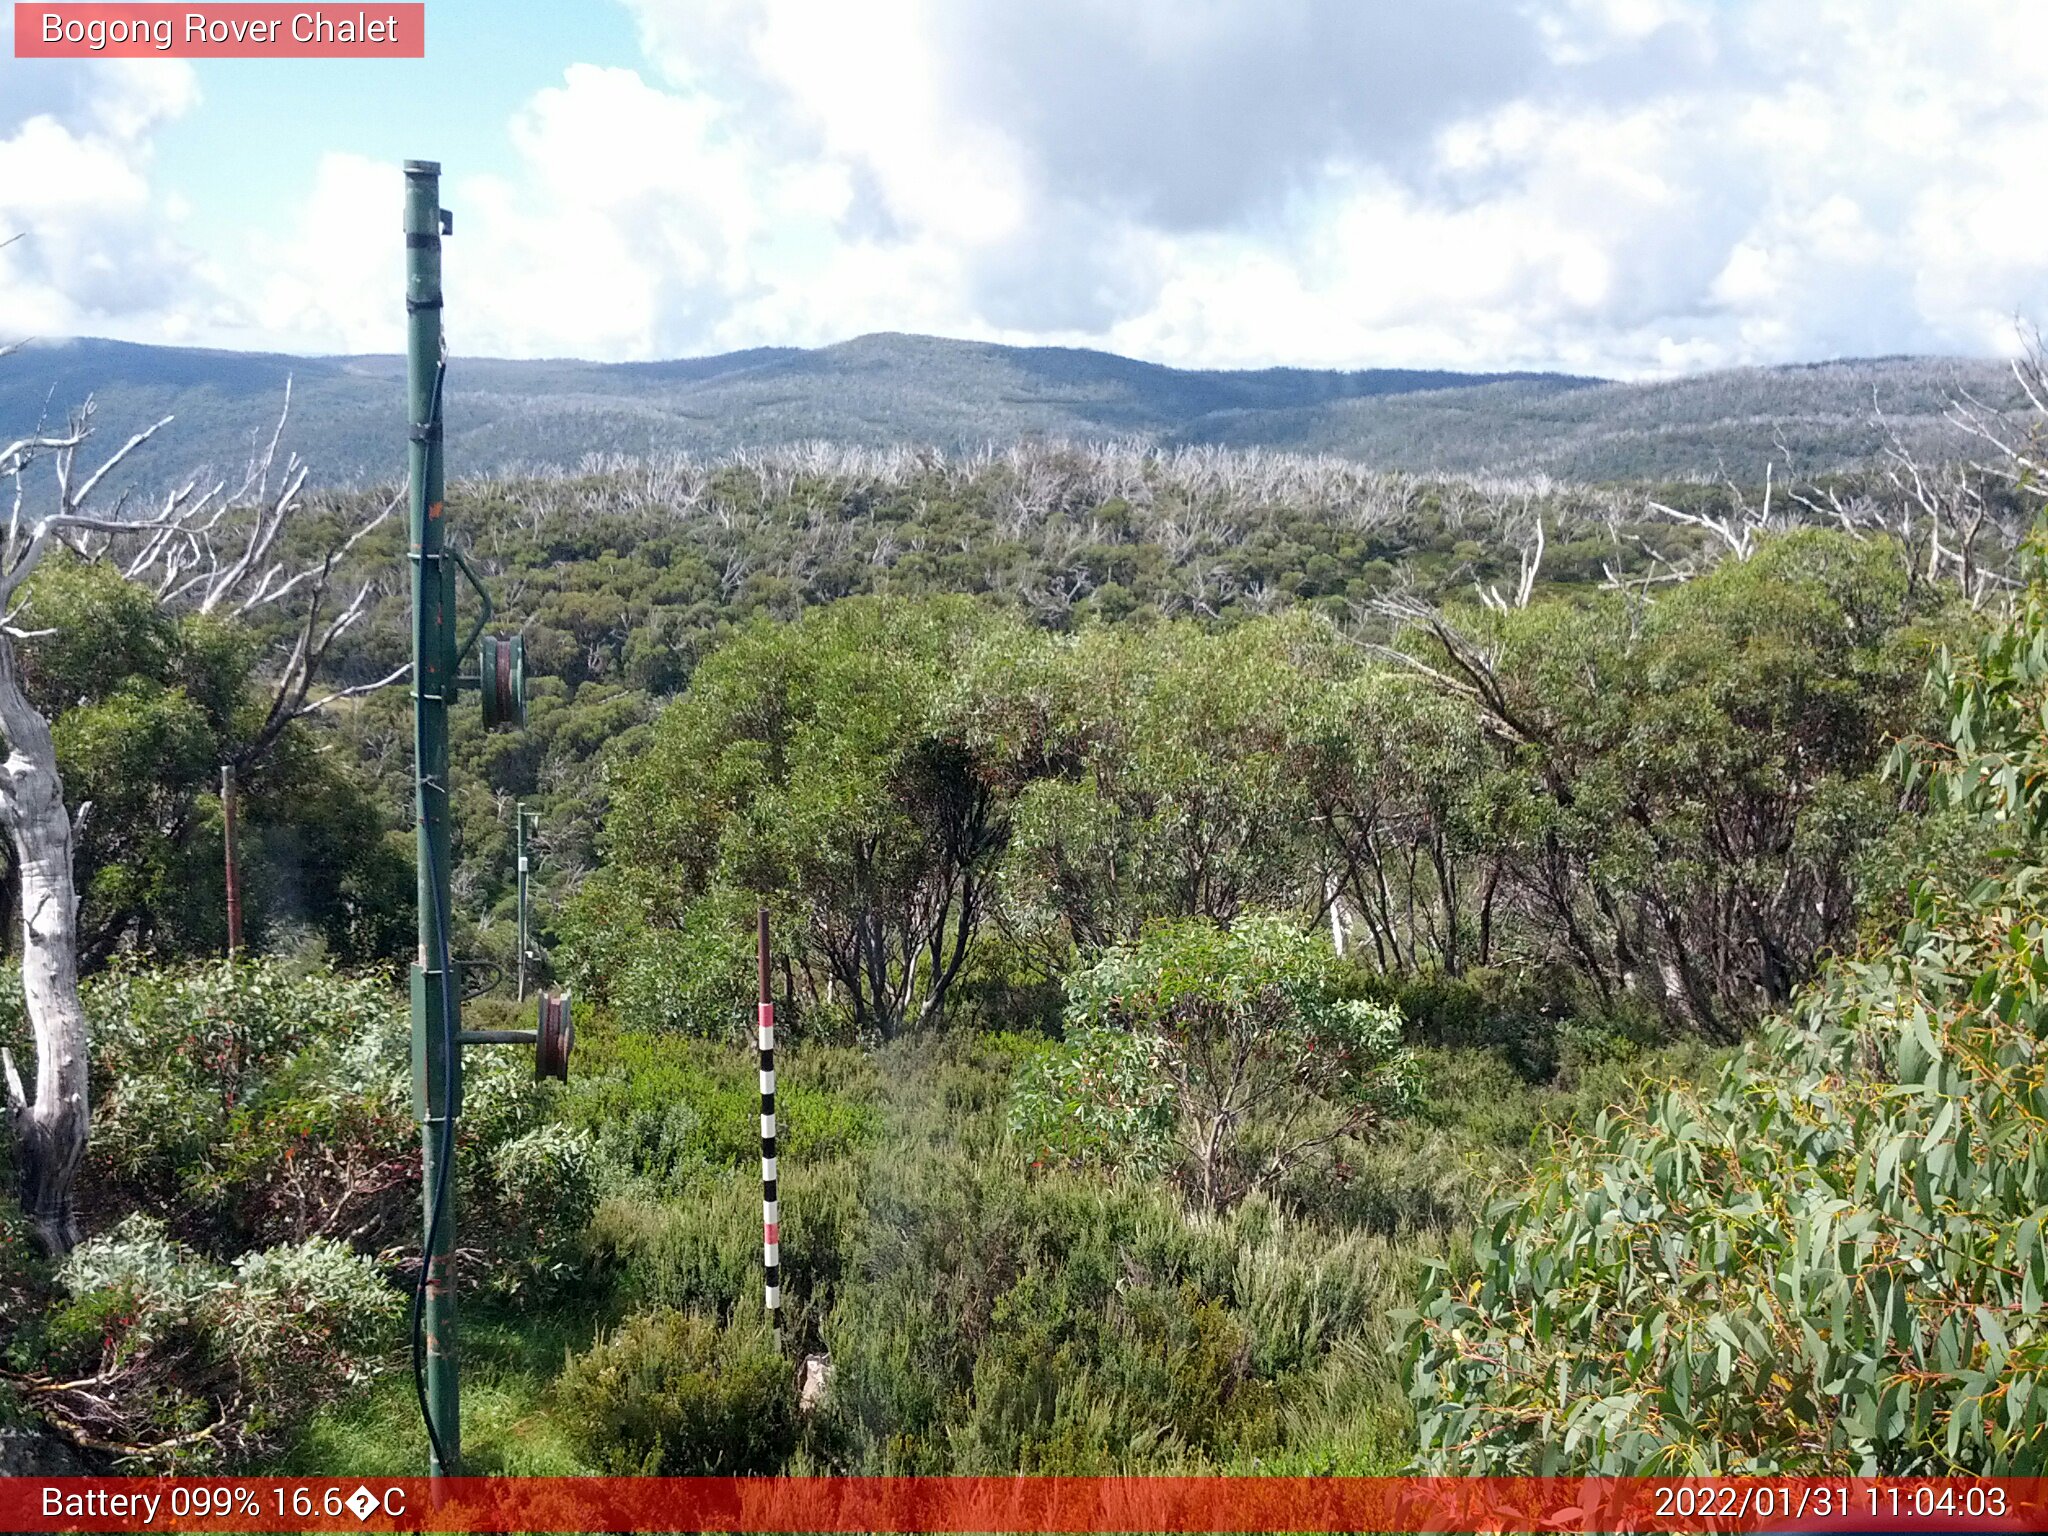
(1049, 1389)
(198, 1363)
(1241, 1046)
(512, 1354)
(982, 1316)
(1608, 813)
(301, 1322)
(1832, 1259)
(997, 1319)
(1158, 776)
(677, 1125)
(1513, 1013)
(265, 1111)
(145, 705)
(1103, 1098)
(266, 1104)
(164, 1277)
(1681, 792)
(1046, 534)
(674, 1393)
(661, 1107)
(809, 769)
(1590, 807)
(690, 978)
(541, 1189)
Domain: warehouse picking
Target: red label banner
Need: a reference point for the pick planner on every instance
(233, 31)
(959, 1504)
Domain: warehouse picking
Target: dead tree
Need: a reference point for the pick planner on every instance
(213, 550)
(1957, 520)
(1525, 584)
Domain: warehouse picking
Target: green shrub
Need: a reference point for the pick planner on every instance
(540, 1191)
(1590, 1044)
(661, 1106)
(191, 1363)
(272, 1104)
(1238, 1041)
(140, 1259)
(1075, 1326)
(696, 1247)
(302, 1324)
(675, 1393)
(696, 1243)
(1102, 1099)
(693, 978)
(1542, 1022)
(269, 1104)
(1081, 1378)
(1004, 988)
(996, 1318)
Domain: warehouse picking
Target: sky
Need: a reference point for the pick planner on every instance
(1632, 188)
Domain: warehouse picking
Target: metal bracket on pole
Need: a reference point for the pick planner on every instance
(434, 1073)
(483, 597)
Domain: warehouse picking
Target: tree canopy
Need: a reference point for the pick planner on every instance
(1833, 1257)
(1659, 806)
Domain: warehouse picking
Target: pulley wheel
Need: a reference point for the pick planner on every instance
(554, 1038)
(501, 679)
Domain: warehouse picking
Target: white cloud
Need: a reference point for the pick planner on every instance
(98, 249)
(1618, 186)
(334, 281)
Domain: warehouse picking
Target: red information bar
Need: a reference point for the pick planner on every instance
(372, 30)
(1923, 1506)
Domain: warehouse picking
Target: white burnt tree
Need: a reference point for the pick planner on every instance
(208, 548)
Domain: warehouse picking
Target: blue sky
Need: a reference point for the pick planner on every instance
(487, 57)
(1627, 187)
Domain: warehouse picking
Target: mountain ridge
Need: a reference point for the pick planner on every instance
(892, 387)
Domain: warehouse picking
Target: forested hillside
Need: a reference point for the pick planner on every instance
(1273, 955)
(874, 391)
(886, 391)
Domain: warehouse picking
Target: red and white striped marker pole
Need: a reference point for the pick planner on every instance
(771, 1209)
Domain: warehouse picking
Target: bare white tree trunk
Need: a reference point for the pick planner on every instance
(202, 550)
(49, 1129)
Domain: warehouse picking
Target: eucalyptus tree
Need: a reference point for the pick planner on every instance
(820, 768)
(1698, 776)
(1829, 1258)
(203, 548)
(1166, 781)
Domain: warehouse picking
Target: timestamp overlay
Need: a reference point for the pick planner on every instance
(962, 1504)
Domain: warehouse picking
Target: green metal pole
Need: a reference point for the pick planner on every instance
(437, 1063)
(519, 821)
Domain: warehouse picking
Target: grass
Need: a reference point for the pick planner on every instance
(510, 1359)
(982, 1317)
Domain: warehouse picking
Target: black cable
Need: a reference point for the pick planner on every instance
(437, 1205)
